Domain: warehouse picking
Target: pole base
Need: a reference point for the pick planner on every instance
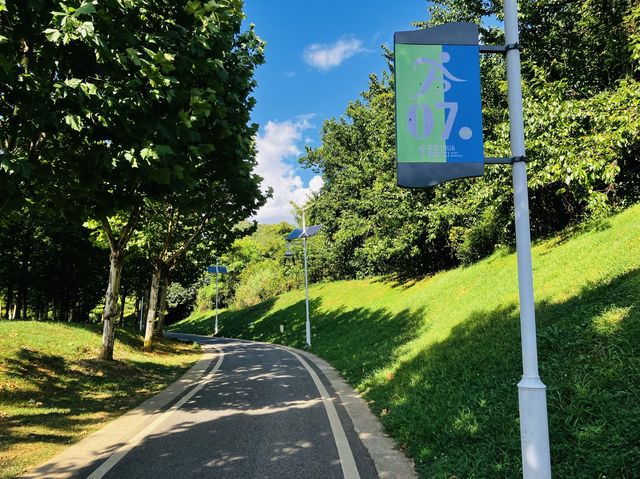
(534, 428)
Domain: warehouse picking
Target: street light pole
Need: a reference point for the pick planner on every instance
(216, 326)
(534, 428)
(306, 281)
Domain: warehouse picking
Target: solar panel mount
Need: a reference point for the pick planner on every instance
(217, 269)
(311, 231)
(295, 234)
(307, 233)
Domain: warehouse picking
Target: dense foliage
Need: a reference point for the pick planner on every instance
(438, 359)
(258, 269)
(582, 104)
(128, 113)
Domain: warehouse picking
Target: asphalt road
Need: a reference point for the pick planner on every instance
(263, 413)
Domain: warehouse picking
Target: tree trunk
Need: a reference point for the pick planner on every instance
(9, 300)
(23, 289)
(153, 305)
(110, 313)
(162, 304)
(25, 295)
(145, 309)
(123, 300)
(136, 317)
(19, 301)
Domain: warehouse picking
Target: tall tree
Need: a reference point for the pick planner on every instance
(142, 95)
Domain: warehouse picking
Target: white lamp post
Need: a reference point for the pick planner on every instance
(304, 233)
(532, 395)
(217, 269)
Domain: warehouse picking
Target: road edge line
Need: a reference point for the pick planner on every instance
(390, 462)
(347, 461)
(95, 446)
(117, 456)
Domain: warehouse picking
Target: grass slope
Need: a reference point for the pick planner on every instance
(439, 359)
(53, 391)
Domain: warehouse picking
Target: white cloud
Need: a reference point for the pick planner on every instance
(276, 146)
(325, 57)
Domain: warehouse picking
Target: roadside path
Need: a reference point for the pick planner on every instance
(256, 411)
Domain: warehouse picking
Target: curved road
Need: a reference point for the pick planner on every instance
(261, 412)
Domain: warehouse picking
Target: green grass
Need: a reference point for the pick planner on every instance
(439, 359)
(53, 391)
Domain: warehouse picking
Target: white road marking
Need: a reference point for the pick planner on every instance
(106, 466)
(347, 461)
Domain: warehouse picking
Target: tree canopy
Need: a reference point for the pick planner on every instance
(112, 106)
(580, 63)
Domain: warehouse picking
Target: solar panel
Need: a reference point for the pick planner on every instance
(295, 234)
(311, 231)
(217, 269)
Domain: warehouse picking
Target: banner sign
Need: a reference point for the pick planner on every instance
(438, 109)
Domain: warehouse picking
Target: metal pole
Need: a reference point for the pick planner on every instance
(216, 296)
(534, 428)
(306, 282)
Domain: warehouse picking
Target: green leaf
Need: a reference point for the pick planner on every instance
(133, 55)
(52, 34)
(73, 82)
(74, 121)
(149, 153)
(164, 150)
(131, 158)
(86, 8)
(86, 29)
(89, 89)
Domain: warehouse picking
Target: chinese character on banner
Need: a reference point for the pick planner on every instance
(438, 109)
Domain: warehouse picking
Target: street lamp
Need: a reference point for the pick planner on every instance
(217, 269)
(304, 233)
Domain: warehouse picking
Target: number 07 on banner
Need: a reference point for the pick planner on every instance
(438, 108)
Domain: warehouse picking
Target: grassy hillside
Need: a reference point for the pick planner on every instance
(439, 359)
(53, 391)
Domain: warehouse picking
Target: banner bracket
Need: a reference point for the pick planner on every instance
(505, 160)
(500, 48)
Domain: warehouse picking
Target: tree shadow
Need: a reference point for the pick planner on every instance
(261, 417)
(52, 399)
(204, 323)
(337, 334)
(454, 405)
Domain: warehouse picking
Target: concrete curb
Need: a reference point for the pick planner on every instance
(99, 445)
(389, 461)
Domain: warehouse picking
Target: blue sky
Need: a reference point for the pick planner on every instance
(318, 58)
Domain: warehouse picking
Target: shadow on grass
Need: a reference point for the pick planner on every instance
(357, 341)
(455, 407)
(204, 323)
(54, 399)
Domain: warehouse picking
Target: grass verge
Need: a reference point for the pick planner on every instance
(53, 391)
(439, 359)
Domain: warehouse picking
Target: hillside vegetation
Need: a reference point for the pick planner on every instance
(53, 391)
(439, 359)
